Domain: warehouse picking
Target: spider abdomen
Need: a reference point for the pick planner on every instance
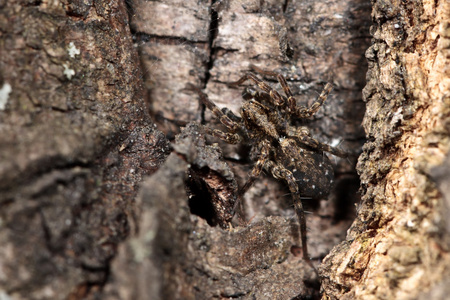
(312, 171)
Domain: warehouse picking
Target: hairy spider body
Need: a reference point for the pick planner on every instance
(286, 152)
(312, 171)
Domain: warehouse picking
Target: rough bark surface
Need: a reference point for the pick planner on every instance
(398, 246)
(177, 254)
(75, 141)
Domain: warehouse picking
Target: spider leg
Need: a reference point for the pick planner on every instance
(315, 144)
(231, 115)
(277, 99)
(306, 112)
(280, 172)
(302, 135)
(229, 137)
(257, 168)
(251, 94)
(299, 111)
(223, 118)
(292, 103)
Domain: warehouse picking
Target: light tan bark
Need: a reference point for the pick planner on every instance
(397, 248)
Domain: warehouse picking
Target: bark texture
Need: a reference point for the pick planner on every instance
(177, 254)
(397, 248)
(75, 141)
(77, 138)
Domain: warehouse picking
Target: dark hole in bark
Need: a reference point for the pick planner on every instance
(199, 198)
(346, 197)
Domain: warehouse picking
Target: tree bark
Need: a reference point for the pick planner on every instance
(397, 247)
(178, 253)
(77, 139)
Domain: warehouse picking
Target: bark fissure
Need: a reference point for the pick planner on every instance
(212, 34)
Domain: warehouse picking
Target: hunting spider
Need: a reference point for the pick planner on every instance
(287, 152)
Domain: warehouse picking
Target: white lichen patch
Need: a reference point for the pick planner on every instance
(68, 72)
(4, 95)
(398, 116)
(73, 50)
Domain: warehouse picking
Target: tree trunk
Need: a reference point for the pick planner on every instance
(397, 246)
(77, 139)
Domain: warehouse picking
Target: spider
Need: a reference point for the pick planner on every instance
(287, 152)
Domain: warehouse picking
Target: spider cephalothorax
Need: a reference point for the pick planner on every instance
(286, 152)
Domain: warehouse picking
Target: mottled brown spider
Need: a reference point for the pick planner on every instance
(287, 152)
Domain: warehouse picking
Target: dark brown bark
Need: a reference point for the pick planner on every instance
(75, 141)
